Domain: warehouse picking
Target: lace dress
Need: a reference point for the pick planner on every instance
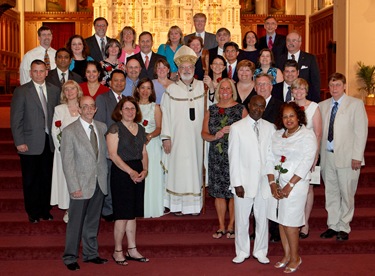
(218, 163)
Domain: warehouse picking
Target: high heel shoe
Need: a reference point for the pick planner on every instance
(281, 264)
(121, 262)
(290, 269)
(130, 258)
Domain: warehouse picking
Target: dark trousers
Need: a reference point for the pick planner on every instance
(84, 219)
(36, 179)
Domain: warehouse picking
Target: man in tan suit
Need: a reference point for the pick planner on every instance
(342, 149)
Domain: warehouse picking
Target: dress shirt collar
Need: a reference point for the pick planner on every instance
(60, 76)
(296, 55)
(144, 56)
(273, 37)
(98, 39)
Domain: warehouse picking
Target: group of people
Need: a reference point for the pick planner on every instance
(123, 132)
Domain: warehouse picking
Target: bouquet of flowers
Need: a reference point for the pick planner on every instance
(223, 123)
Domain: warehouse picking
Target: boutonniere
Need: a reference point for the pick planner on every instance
(218, 80)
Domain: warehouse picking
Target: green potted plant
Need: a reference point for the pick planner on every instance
(366, 74)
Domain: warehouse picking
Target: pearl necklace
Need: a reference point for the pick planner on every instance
(287, 134)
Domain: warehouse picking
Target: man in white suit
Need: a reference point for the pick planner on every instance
(341, 155)
(83, 153)
(249, 142)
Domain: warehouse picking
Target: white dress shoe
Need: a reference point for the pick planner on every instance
(238, 259)
(262, 260)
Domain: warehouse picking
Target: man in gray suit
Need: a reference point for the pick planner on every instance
(31, 113)
(83, 154)
(106, 103)
(61, 73)
(209, 39)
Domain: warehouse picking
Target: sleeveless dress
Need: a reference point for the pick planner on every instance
(154, 188)
(218, 163)
(127, 197)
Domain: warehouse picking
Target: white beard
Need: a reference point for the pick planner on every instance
(186, 77)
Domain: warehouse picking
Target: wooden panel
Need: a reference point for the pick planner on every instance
(322, 45)
(286, 23)
(61, 33)
(33, 20)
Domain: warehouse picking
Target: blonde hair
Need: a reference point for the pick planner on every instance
(234, 90)
(63, 98)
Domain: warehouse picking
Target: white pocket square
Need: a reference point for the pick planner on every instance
(304, 67)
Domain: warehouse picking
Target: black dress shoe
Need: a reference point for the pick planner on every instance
(275, 238)
(47, 217)
(342, 236)
(303, 236)
(97, 260)
(33, 220)
(328, 234)
(108, 218)
(73, 266)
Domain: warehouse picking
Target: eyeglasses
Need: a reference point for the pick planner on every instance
(127, 109)
(88, 107)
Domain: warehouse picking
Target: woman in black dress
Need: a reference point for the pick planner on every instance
(126, 146)
(216, 125)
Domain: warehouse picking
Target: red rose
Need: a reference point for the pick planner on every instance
(221, 111)
(145, 123)
(108, 68)
(58, 124)
(283, 158)
(196, 76)
(219, 79)
(302, 108)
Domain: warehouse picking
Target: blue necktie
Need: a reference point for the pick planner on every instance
(288, 97)
(332, 121)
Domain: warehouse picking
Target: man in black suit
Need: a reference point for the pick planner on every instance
(98, 41)
(282, 90)
(263, 87)
(307, 64)
(61, 73)
(231, 51)
(272, 40)
(209, 39)
(106, 103)
(31, 113)
(222, 37)
(146, 57)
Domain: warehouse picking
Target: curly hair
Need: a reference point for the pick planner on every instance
(301, 116)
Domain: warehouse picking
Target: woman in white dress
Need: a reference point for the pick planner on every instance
(288, 169)
(151, 121)
(65, 114)
(300, 88)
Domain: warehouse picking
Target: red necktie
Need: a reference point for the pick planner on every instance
(270, 43)
(147, 62)
(230, 72)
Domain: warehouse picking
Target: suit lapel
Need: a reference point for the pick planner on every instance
(35, 96)
(81, 134)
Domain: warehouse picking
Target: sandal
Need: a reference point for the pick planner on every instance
(230, 234)
(218, 234)
(123, 262)
(142, 259)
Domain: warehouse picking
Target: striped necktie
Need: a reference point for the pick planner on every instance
(46, 60)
